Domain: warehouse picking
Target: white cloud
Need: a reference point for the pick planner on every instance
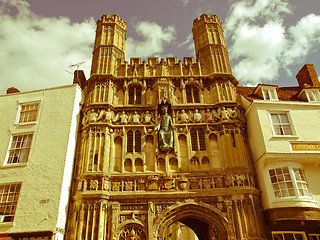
(37, 50)
(261, 44)
(185, 2)
(155, 37)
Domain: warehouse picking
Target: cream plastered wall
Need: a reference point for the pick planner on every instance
(42, 204)
(270, 151)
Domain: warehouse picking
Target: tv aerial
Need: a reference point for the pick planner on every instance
(72, 66)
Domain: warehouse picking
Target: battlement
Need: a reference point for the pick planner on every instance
(153, 61)
(154, 66)
(114, 18)
(206, 18)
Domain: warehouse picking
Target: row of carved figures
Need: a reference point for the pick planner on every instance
(156, 183)
(182, 116)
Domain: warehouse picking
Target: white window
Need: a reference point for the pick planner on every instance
(19, 148)
(269, 94)
(286, 235)
(313, 95)
(289, 182)
(281, 124)
(28, 112)
(9, 194)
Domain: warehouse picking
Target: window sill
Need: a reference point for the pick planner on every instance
(6, 224)
(13, 165)
(284, 137)
(26, 124)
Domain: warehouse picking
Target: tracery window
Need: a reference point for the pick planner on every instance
(135, 95)
(197, 139)
(134, 141)
(192, 93)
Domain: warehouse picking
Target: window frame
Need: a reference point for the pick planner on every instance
(289, 123)
(269, 93)
(293, 181)
(7, 161)
(289, 232)
(13, 194)
(198, 139)
(20, 110)
(192, 94)
(136, 92)
(313, 93)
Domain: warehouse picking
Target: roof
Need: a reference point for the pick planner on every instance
(284, 93)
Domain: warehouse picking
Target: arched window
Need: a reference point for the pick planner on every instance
(192, 93)
(135, 95)
(137, 141)
(198, 140)
(130, 141)
(134, 141)
(194, 139)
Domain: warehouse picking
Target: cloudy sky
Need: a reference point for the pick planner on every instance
(268, 40)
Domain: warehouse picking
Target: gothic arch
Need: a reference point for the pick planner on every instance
(125, 229)
(203, 213)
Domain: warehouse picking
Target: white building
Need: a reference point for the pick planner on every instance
(37, 147)
(284, 136)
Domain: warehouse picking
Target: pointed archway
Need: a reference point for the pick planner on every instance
(206, 222)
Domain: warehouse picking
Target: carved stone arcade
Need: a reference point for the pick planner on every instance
(126, 187)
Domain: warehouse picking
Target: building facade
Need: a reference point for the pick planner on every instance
(283, 130)
(37, 146)
(163, 145)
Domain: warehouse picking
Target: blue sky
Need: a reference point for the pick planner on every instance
(268, 40)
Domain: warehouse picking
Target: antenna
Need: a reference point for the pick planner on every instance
(77, 65)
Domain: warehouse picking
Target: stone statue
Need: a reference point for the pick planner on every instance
(196, 116)
(184, 116)
(124, 118)
(165, 128)
(135, 118)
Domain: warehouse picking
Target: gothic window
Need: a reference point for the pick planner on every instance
(132, 232)
(9, 194)
(195, 161)
(134, 141)
(137, 138)
(28, 112)
(197, 140)
(135, 95)
(130, 141)
(20, 148)
(192, 93)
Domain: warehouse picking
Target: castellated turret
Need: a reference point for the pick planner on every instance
(109, 44)
(210, 45)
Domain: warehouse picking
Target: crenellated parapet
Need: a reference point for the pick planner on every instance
(156, 67)
(206, 18)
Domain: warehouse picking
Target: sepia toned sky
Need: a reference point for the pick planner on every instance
(268, 40)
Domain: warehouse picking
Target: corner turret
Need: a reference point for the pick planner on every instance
(109, 44)
(210, 45)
